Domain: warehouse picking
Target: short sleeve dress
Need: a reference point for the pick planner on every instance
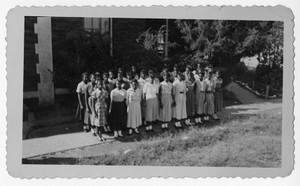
(81, 91)
(100, 107)
(134, 118)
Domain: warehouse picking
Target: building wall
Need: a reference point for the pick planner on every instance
(125, 31)
(31, 78)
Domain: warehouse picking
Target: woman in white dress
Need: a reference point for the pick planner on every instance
(179, 91)
(134, 97)
(150, 91)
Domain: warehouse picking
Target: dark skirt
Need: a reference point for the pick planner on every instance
(80, 112)
(118, 116)
(218, 96)
(107, 114)
(190, 103)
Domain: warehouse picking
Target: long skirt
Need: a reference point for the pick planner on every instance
(190, 103)
(218, 101)
(143, 110)
(118, 115)
(152, 110)
(209, 98)
(134, 118)
(166, 112)
(80, 112)
(179, 112)
(92, 118)
(101, 113)
(200, 97)
(108, 118)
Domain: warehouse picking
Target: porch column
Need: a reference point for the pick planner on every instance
(45, 66)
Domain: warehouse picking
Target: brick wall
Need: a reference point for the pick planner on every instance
(31, 78)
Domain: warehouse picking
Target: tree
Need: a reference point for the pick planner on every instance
(266, 42)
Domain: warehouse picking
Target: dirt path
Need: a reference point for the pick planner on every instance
(245, 96)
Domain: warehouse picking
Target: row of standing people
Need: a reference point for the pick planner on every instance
(107, 104)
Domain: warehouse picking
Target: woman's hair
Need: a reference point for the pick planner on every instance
(85, 74)
(97, 74)
(134, 81)
(91, 75)
(143, 71)
(98, 78)
(166, 74)
(119, 81)
(105, 74)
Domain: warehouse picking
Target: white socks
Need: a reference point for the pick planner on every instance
(164, 125)
(120, 133)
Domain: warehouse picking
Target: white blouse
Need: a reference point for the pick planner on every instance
(81, 87)
(118, 95)
(150, 90)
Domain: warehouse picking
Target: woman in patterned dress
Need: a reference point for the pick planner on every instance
(88, 116)
(134, 97)
(166, 98)
(81, 102)
(108, 87)
(190, 96)
(200, 97)
(100, 94)
(118, 109)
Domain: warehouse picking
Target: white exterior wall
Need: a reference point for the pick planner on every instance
(45, 66)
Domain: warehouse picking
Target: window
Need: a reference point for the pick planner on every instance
(92, 24)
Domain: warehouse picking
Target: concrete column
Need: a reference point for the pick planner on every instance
(45, 66)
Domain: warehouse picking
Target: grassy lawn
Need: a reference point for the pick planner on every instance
(248, 141)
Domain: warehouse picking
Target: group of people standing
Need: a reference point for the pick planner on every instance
(140, 98)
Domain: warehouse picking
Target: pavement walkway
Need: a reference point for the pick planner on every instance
(78, 145)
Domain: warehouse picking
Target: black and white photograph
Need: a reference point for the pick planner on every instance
(138, 91)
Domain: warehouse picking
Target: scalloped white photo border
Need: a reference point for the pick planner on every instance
(15, 53)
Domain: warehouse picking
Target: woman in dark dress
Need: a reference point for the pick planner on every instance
(118, 109)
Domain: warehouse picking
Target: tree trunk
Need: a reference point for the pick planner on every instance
(267, 91)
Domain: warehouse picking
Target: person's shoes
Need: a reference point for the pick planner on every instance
(215, 117)
(101, 138)
(137, 132)
(129, 134)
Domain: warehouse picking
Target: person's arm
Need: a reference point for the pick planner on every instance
(79, 100)
(86, 93)
(127, 98)
(78, 90)
(111, 101)
(204, 88)
(145, 91)
(94, 97)
(195, 87)
(173, 95)
(159, 96)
